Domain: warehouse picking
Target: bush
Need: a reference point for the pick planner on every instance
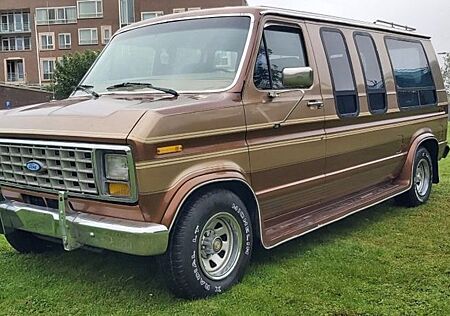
(70, 70)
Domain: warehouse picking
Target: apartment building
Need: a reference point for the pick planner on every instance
(35, 33)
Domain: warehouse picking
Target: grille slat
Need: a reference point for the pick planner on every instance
(66, 168)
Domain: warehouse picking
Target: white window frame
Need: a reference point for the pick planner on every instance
(53, 59)
(194, 9)
(16, 39)
(48, 34)
(156, 13)
(67, 44)
(104, 28)
(97, 14)
(92, 29)
(179, 10)
(64, 20)
(5, 63)
(12, 20)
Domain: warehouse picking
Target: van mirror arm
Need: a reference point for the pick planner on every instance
(279, 124)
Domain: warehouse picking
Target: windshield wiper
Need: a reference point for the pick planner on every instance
(142, 85)
(87, 89)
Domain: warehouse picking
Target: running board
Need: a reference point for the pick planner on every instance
(294, 224)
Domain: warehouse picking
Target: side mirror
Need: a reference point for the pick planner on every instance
(301, 77)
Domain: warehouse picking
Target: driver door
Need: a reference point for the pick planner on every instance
(287, 160)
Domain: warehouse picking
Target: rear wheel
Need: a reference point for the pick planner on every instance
(25, 242)
(210, 245)
(422, 180)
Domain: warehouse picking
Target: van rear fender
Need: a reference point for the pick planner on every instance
(427, 140)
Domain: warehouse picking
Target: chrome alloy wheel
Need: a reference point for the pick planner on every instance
(220, 246)
(422, 179)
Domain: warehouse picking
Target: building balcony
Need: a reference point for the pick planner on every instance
(9, 50)
(15, 77)
(14, 28)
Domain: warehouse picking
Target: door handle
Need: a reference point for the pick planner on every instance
(315, 105)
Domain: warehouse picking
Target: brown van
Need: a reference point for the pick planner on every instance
(197, 136)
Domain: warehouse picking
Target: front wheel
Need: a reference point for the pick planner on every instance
(422, 179)
(210, 246)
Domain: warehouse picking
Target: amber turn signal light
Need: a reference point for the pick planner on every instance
(169, 149)
(118, 189)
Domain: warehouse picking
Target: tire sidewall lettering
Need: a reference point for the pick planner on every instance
(246, 231)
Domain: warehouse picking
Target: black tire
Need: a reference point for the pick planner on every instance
(193, 247)
(419, 192)
(25, 242)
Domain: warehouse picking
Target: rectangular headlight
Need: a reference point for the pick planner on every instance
(116, 167)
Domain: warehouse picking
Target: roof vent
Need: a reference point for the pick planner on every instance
(395, 25)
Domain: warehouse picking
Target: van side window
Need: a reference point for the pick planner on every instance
(415, 85)
(341, 72)
(261, 75)
(370, 61)
(281, 47)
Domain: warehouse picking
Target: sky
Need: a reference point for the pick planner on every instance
(431, 17)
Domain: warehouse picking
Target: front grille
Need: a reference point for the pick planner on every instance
(68, 169)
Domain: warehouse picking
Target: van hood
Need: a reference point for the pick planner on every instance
(108, 119)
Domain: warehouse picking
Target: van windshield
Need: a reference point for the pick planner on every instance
(189, 55)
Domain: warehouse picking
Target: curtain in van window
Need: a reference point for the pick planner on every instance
(415, 85)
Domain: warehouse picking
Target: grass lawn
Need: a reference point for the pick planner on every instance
(383, 261)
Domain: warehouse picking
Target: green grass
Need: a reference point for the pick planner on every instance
(383, 261)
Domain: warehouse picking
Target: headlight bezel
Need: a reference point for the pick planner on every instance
(103, 181)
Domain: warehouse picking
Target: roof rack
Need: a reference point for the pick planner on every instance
(395, 25)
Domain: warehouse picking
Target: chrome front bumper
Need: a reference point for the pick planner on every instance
(80, 229)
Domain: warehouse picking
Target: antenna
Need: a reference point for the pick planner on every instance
(395, 25)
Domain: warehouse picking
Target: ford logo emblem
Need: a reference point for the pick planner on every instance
(35, 166)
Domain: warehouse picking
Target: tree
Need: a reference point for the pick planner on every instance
(446, 72)
(70, 70)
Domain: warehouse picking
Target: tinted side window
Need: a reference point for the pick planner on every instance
(376, 90)
(341, 72)
(261, 75)
(415, 85)
(281, 47)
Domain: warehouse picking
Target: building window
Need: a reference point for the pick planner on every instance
(412, 72)
(179, 10)
(370, 62)
(57, 15)
(64, 40)
(88, 36)
(18, 43)
(126, 12)
(106, 33)
(194, 9)
(90, 9)
(15, 70)
(346, 96)
(47, 41)
(48, 68)
(15, 22)
(151, 14)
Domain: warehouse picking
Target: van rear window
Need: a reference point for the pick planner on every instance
(412, 72)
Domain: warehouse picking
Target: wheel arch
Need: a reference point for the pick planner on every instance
(430, 142)
(235, 183)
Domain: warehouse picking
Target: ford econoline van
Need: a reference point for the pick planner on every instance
(201, 135)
